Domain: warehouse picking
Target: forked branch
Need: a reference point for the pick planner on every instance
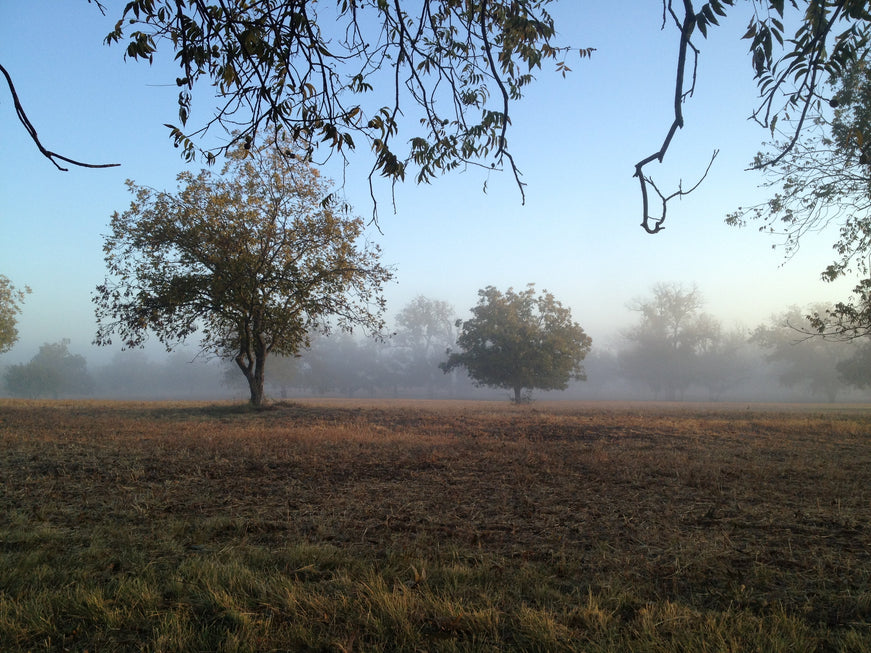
(665, 199)
(650, 224)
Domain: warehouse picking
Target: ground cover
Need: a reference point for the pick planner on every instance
(483, 526)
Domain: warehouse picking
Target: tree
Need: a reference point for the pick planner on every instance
(345, 364)
(251, 260)
(803, 361)
(825, 181)
(10, 306)
(724, 359)
(668, 339)
(286, 373)
(53, 372)
(517, 340)
(856, 370)
(321, 71)
(425, 329)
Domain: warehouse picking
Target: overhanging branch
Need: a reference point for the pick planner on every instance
(54, 157)
(655, 225)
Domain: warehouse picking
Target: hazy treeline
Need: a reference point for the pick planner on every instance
(674, 351)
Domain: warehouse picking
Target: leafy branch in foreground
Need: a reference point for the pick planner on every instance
(830, 35)
(824, 183)
(250, 260)
(331, 74)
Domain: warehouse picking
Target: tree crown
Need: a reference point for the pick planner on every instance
(519, 340)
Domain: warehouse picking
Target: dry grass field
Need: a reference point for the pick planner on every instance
(434, 526)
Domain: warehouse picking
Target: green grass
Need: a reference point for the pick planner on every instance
(434, 526)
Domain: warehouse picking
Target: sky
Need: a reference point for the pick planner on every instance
(576, 140)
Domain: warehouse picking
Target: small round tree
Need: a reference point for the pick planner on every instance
(517, 340)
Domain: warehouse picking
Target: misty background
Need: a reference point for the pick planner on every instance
(673, 350)
(577, 235)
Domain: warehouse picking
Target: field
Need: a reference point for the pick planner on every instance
(434, 526)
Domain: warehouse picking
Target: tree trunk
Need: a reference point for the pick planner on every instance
(254, 371)
(517, 390)
(256, 387)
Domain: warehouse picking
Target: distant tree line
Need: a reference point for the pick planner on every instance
(674, 351)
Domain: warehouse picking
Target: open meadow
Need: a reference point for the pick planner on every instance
(327, 525)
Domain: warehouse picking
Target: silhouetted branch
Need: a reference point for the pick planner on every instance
(31, 130)
(654, 225)
(680, 192)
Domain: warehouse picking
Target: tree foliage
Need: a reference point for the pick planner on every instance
(789, 69)
(251, 260)
(825, 183)
(445, 73)
(10, 307)
(333, 74)
(724, 360)
(518, 340)
(855, 370)
(53, 372)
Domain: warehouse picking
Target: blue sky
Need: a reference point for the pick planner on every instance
(576, 140)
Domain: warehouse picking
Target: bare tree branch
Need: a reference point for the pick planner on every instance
(680, 192)
(31, 130)
(655, 225)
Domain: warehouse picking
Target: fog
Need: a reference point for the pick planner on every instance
(709, 360)
(576, 232)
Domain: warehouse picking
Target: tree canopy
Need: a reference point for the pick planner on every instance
(10, 306)
(425, 329)
(251, 260)
(518, 340)
(432, 87)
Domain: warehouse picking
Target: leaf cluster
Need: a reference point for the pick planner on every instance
(824, 184)
(830, 36)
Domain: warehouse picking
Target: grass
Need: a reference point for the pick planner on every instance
(434, 526)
